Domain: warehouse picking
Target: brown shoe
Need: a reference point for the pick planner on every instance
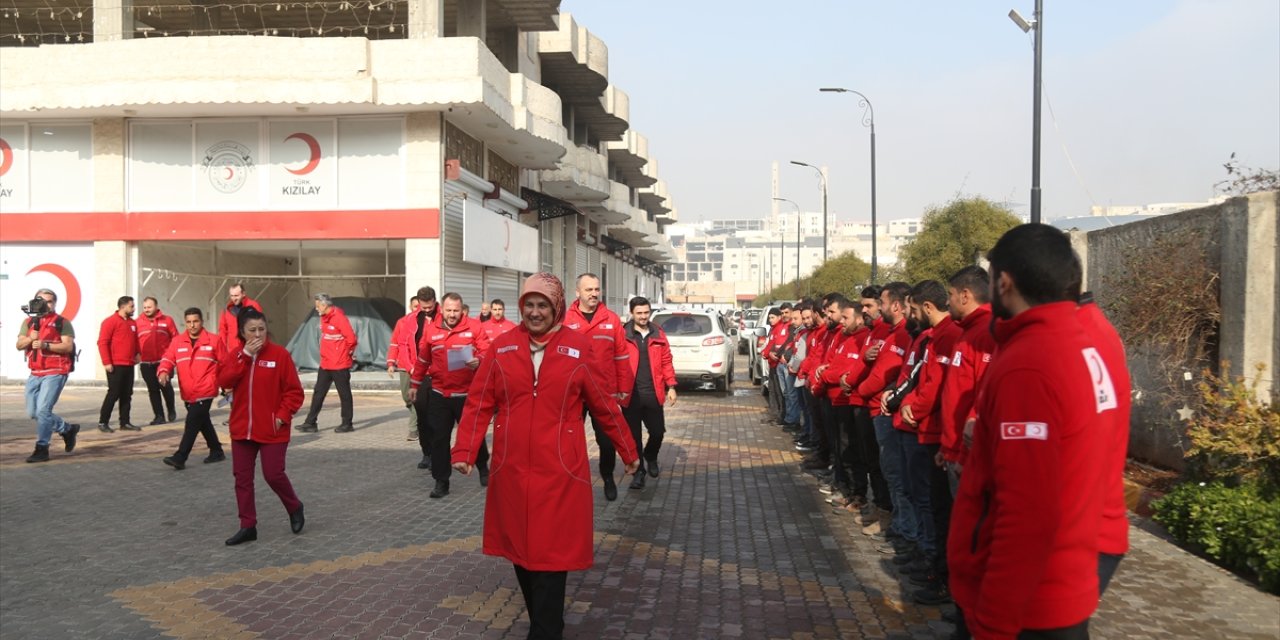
(882, 521)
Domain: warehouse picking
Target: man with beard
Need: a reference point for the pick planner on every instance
(402, 354)
(228, 329)
(155, 331)
(498, 323)
(118, 346)
(829, 446)
(967, 298)
(655, 386)
(848, 477)
(428, 309)
(337, 346)
(193, 357)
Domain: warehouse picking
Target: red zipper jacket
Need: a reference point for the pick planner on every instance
(968, 362)
(660, 367)
(154, 334)
(402, 353)
(1023, 547)
(813, 351)
(433, 355)
(264, 387)
(919, 353)
(878, 333)
(777, 336)
(118, 341)
(883, 372)
(494, 328)
(228, 329)
(1113, 537)
(608, 347)
(926, 399)
(196, 362)
(337, 340)
(845, 362)
(830, 339)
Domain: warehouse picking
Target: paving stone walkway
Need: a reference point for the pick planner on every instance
(732, 541)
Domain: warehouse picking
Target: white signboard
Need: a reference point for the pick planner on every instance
(14, 168)
(227, 157)
(494, 240)
(304, 164)
(61, 167)
(67, 269)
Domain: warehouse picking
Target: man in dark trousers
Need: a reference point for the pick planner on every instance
(337, 344)
(118, 346)
(193, 357)
(655, 385)
(155, 331)
(428, 308)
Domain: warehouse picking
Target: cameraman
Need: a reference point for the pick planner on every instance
(48, 341)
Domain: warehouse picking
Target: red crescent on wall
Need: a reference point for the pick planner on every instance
(71, 305)
(314, 146)
(507, 225)
(230, 172)
(6, 157)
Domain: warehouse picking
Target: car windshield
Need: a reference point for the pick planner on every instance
(683, 324)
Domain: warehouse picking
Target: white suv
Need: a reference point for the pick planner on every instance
(702, 345)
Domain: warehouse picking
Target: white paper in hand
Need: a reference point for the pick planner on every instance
(459, 357)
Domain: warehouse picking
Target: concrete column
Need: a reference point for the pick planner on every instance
(108, 164)
(1249, 288)
(113, 277)
(423, 260)
(471, 22)
(112, 20)
(426, 19)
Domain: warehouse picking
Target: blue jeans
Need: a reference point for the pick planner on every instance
(916, 478)
(790, 396)
(42, 393)
(892, 466)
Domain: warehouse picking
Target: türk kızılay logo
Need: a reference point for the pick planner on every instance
(228, 164)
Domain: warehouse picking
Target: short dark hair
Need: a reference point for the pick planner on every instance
(193, 311)
(1041, 262)
(897, 290)
(834, 298)
(452, 295)
(846, 303)
(122, 301)
(786, 306)
(249, 313)
(975, 279)
(413, 299)
(774, 311)
(498, 301)
(152, 299)
(48, 292)
(930, 291)
(639, 301)
(871, 291)
(426, 294)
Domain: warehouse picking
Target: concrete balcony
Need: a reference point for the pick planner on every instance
(582, 177)
(629, 156)
(617, 209)
(575, 64)
(636, 230)
(660, 251)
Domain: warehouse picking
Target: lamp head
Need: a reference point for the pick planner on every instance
(1023, 23)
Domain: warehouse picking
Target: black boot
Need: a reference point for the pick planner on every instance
(483, 468)
(652, 465)
(177, 463)
(69, 437)
(297, 520)
(637, 481)
(243, 535)
(425, 463)
(441, 490)
(173, 415)
(610, 488)
(41, 454)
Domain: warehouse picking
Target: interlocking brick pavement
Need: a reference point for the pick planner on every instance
(732, 541)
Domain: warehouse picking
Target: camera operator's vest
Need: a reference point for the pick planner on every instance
(45, 362)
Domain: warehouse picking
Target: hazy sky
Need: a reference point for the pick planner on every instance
(1150, 99)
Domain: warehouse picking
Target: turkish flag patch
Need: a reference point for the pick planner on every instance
(1024, 431)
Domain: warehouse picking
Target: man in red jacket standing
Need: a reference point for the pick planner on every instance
(193, 356)
(337, 344)
(118, 346)
(155, 331)
(237, 301)
(654, 388)
(402, 354)
(590, 317)
(1023, 548)
(968, 294)
(497, 324)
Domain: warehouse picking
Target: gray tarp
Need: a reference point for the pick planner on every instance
(372, 320)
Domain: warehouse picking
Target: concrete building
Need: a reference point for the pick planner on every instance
(169, 151)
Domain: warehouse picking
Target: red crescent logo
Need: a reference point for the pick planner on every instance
(230, 172)
(314, 146)
(71, 306)
(507, 226)
(6, 157)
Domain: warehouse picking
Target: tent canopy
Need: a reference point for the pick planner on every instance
(372, 320)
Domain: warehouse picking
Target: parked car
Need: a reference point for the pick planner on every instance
(748, 321)
(757, 335)
(702, 344)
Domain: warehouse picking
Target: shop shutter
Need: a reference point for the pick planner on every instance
(464, 278)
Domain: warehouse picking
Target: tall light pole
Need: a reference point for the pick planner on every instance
(868, 120)
(793, 203)
(1036, 23)
(822, 182)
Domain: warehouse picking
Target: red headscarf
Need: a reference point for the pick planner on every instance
(549, 287)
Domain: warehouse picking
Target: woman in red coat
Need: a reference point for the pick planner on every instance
(265, 395)
(535, 380)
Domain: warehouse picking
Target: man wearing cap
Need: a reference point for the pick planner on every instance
(337, 344)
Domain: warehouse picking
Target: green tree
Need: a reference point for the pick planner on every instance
(845, 273)
(953, 236)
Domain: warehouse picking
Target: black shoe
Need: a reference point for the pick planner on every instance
(173, 461)
(344, 428)
(243, 535)
(425, 463)
(484, 474)
(173, 416)
(156, 421)
(805, 447)
(41, 454)
(105, 428)
(441, 490)
(125, 426)
(651, 465)
(924, 577)
(306, 427)
(297, 520)
(610, 489)
(904, 557)
(815, 464)
(69, 437)
(215, 456)
(932, 595)
(637, 481)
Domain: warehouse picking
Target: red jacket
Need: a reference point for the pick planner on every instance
(433, 358)
(1023, 546)
(845, 359)
(402, 353)
(228, 330)
(196, 362)
(830, 338)
(661, 370)
(154, 334)
(337, 340)
(118, 341)
(884, 370)
(608, 348)
(538, 510)
(1113, 537)
(815, 341)
(777, 337)
(45, 362)
(494, 328)
(968, 362)
(264, 387)
(926, 399)
(918, 354)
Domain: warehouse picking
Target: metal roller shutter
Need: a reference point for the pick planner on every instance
(464, 278)
(580, 262)
(504, 284)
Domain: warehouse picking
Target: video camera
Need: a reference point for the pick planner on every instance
(37, 308)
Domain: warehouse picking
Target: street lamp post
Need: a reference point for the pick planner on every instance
(868, 120)
(793, 203)
(1036, 23)
(822, 182)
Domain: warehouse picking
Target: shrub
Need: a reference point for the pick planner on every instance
(1235, 438)
(1237, 527)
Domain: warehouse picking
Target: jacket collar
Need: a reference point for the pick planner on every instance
(1048, 316)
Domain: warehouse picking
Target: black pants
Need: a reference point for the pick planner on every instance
(119, 389)
(198, 423)
(866, 451)
(342, 380)
(157, 391)
(822, 420)
(940, 504)
(645, 408)
(1107, 565)
(776, 402)
(443, 414)
(839, 433)
(1074, 632)
(421, 405)
(608, 452)
(544, 598)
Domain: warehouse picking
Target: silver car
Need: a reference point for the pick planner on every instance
(702, 346)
